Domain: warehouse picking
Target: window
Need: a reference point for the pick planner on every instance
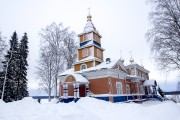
(132, 71)
(83, 66)
(119, 87)
(85, 52)
(127, 89)
(98, 53)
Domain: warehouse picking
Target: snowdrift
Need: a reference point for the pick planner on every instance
(88, 109)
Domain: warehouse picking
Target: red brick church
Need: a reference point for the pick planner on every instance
(92, 76)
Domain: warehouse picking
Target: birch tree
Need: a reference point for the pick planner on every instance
(69, 49)
(54, 47)
(9, 73)
(3, 47)
(45, 70)
(164, 36)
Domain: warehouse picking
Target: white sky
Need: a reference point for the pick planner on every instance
(122, 24)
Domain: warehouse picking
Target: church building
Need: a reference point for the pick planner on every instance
(104, 79)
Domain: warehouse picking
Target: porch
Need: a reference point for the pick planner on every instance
(74, 86)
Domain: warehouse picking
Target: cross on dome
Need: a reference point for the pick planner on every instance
(89, 25)
(89, 15)
(121, 58)
(131, 59)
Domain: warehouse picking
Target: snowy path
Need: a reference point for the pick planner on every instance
(88, 109)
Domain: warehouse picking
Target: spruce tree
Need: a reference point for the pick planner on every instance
(22, 73)
(15, 70)
(9, 70)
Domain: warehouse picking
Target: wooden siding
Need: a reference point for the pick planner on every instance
(70, 79)
(96, 38)
(70, 90)
(80, 57)
(81, 38)
(89, 64)
(101, 85)
(97, 63)
(95, 53)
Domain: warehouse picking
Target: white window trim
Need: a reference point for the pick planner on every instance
(82, 66)
(119, 88)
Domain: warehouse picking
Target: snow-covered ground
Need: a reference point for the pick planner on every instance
(88, 109)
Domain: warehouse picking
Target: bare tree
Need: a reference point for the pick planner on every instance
(164, 36)
(56, 43)
(45, 69)
(69, 49)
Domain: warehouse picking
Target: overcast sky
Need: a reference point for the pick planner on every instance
(122, 24)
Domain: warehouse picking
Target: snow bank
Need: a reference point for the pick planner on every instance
(88, 109)
(1, 101)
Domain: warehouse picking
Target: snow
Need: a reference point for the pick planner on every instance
(89, 26)
(149, 83)
(103, 65)
(100, 66)
(80, 78)
(69, 71)
(88, 59)
(88, 109)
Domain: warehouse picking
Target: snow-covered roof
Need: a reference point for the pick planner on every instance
(89, 26)
(103, 65)
(69, 71)
(149, 83)
(137, 66)
(88, 59)
(79, 78)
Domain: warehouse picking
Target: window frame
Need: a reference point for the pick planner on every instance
(85, 52)
(119, 89)
(82, 68)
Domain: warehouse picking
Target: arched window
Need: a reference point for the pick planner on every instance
(83, 66)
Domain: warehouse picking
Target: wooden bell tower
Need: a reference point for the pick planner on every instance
(90, 52)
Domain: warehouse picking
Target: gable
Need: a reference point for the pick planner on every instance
(119, 66)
